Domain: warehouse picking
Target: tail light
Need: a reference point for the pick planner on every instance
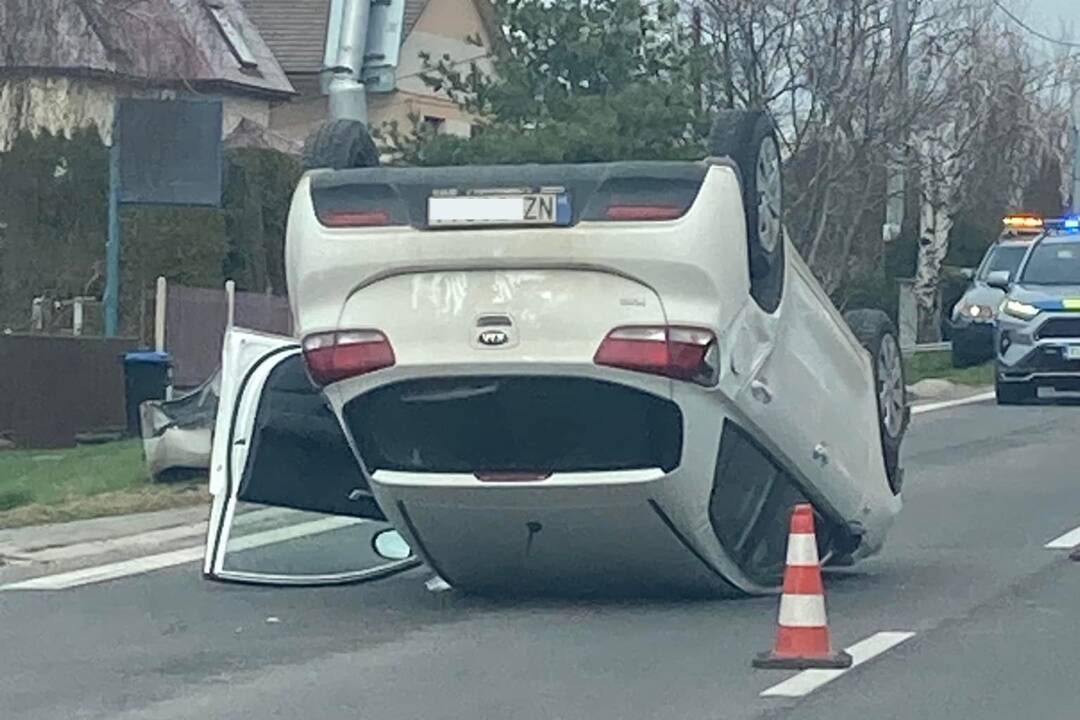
(354, 218)
(643, 213)
(334, 356)
(681, 353)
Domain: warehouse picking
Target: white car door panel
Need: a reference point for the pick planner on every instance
(816, 392)
(291, 504)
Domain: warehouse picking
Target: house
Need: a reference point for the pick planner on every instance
(63, 63)
(295, 30)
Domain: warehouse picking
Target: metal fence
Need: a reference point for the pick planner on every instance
(54, 387)
(194, 325)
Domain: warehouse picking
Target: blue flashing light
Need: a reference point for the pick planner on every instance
(1069, 224)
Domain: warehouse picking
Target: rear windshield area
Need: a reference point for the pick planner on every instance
(514, 424)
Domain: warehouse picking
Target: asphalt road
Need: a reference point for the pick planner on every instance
(993, 612)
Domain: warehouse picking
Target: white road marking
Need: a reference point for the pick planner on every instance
(1065, 542)
(149, 563)
(809, 680)
(946, 404)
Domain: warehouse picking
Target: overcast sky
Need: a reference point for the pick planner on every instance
(1049, 16)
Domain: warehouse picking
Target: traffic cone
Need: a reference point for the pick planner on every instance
(802, 639)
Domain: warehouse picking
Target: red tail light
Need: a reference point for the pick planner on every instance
(682, 353)
(334, 356)
(365, 218)
(644, 212)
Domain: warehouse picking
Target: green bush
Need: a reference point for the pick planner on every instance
(53, 225)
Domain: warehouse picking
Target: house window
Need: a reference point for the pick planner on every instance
(232, 35)
(434, 123)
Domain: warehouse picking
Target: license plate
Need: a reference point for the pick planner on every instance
(1072, 352)
(528, 209)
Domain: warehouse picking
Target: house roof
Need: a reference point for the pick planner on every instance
(159, 41)
(296, 29)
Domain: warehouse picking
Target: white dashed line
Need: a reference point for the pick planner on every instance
(1065, 542)
(149, 563)
(946, 404)
(810, 680)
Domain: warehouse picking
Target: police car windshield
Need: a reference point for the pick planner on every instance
(1003, 257)
(1053, 262)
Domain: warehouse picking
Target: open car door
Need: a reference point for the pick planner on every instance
(291, 505)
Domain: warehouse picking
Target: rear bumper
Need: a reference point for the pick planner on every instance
(612, 532)
(579, 530)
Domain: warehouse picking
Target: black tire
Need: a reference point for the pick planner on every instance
(339, 145)
(1015, 393)
(748, 138)
(877, 334)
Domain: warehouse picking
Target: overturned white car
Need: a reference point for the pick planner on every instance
(559, 377)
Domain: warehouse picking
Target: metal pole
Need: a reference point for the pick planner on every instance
(230, 300)
(111, 298)
(160, 299)
(895, 179)
(348, 97)
(77, 316)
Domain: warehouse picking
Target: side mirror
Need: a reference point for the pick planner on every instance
(999, 279)
(389, 544)
(967, 273)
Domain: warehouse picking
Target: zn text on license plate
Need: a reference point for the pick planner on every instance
(528, 209)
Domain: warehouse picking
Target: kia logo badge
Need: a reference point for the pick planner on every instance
(493, 338)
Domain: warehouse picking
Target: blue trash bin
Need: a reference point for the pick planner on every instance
(146, 377)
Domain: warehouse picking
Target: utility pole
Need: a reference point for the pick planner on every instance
(896, 165)
(347, 33)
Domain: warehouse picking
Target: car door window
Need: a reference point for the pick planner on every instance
(291, 502)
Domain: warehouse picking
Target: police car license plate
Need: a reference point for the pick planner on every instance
(1072, 352)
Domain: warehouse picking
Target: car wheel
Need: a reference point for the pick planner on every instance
(748, 138)
(1014, 393)
(339, 145)
(877, 334)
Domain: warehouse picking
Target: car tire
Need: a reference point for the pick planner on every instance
(748, 138)
(1014, 393)
(340, 145)
(878, 335)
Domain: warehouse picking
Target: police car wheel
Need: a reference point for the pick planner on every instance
(340, 145)
(878, 335)
(1015, 393)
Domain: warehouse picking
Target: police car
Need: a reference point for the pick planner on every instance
(971, 325)
(1037, 339)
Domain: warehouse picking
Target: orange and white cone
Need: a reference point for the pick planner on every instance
(802, 639)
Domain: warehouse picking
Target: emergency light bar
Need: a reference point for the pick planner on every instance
(1069, 224)
(1026, 222)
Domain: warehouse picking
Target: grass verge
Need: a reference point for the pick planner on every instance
(938, 364)
(39, 486)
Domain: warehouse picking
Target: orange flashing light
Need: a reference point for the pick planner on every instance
(1023, 221)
